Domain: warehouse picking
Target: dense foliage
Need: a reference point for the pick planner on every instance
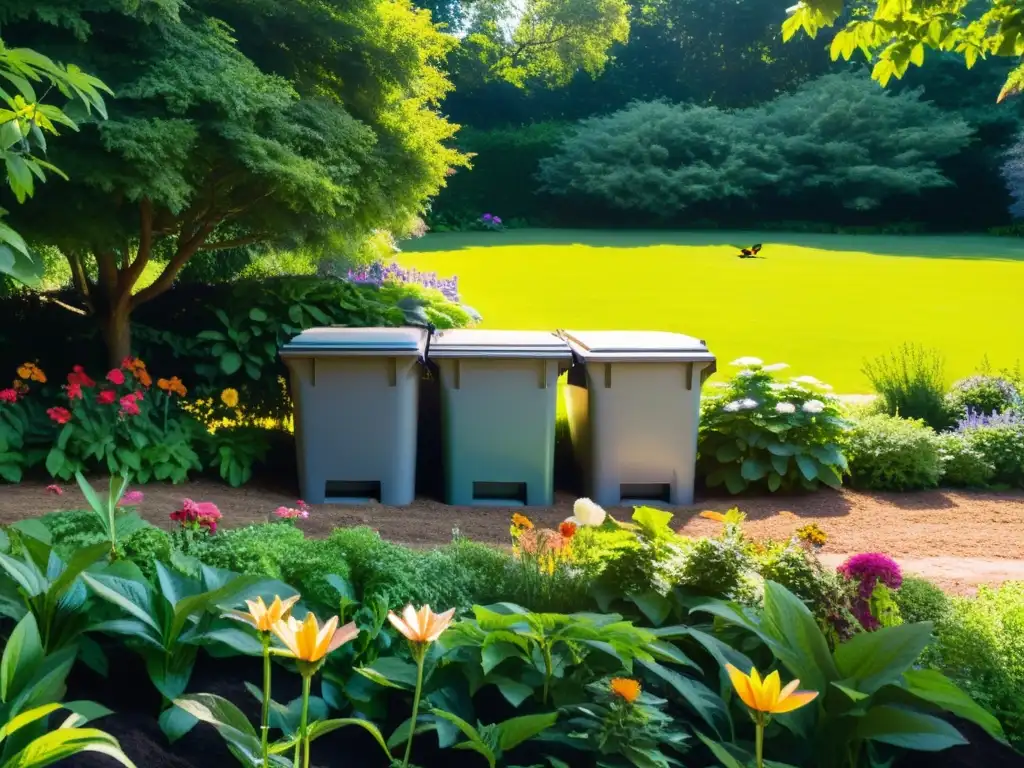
(892, 454)
(233, 126)
(911, 382)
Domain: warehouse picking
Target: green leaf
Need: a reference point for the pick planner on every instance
(782, 449)
(23, 651)
(728, 453)
(130, 596)
(323, 727)
(175, 722)
(55, 460)
(851, 694)
(654, 606)
(397, 673)
(653, 522)
(908, 729)
(871, 660)
(257, 315)
(81, 560)
(215, 710)
(720, 752)
(476, 743)
(698, 696)
(58, 745)
(515, 731)
(797, 640)
(230, 362)
(774, 482)
(514, 691)
(780, 464)
(753, 469)
(808, 466)
(937, 689)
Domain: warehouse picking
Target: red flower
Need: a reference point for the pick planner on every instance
(128, 406)
(80, 377)
(74, 391)
(106, 397)
(205, 513)
(116, 377)
(60, 415)
(129, 363)
(8, 395)
(56, 490)
(567, 529)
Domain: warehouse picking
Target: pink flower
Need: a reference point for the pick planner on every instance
(56, 490)
(78, 376)
(128, 406)
(868, 569)
(289, 513)
(74, 391)
(116, 376)
(8, 395)
(106, 397)
(132, 498)
(59, 415)
(203, 513)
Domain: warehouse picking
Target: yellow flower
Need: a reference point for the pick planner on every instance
(521, 521)
(626, 689)
(308, 641)
(262, 617)
(25, 370)
(229, 397)
(423, 626)
(766, 695)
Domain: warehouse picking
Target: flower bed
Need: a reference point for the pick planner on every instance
(599, 640)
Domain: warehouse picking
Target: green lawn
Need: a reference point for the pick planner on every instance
(822, 303)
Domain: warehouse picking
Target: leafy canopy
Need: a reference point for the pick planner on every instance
(898, 32)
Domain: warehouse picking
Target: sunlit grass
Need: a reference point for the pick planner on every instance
(822, 303)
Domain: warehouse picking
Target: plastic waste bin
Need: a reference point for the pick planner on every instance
(356, 392)
(498, 400)
(633, 402)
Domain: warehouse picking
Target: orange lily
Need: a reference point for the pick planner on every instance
(308, 641)
(626, 689)
(767, 695)
(262, 617)
(423, 626)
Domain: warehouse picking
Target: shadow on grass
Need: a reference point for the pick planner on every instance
(920, 246)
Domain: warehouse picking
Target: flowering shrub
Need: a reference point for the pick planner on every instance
(123, 424)
(984, 394)
(890, 453)
(197, 521)
(875, 574)
(771, 434)
(378, 273)
(491, 223)
(1000, 440)
(963, 464)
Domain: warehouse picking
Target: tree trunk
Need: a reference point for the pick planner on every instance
(117, 333)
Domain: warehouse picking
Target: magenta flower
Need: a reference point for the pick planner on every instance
(132, 498)
(868, 569)
(487, 217)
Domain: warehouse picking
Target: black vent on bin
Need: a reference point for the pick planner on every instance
(355, 490)
(645, 491)
(503, 492)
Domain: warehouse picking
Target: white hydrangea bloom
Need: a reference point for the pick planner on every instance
(744, 362)
(776, 367)
(777, 386)
(747, 403)
(785, 408)
(733, 406)
(586, 512)
(813, 406)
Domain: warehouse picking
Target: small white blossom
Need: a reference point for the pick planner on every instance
(777, 386)
(813, 406)
(747, 403)
(586, 512)
(733, 406)
(744, 362)
(776, 367)
(746, 372)
(785, 408)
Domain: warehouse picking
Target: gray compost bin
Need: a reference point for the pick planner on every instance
(498, 400)
(356, 393)
(633, 401)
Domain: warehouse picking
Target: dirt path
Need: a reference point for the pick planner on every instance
(959, 539)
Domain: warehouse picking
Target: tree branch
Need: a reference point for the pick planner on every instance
(130, 276)
(106, 261)
(167, 277)
(78, 276)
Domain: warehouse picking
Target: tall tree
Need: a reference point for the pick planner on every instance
(236, 122)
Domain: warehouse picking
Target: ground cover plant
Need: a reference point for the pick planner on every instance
(633, 674)
(740, 306)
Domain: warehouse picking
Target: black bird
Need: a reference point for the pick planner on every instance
(748, 253)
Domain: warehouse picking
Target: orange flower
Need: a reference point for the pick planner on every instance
(172, 385)
(718, 517)
(25, 371)
(422, 626)
(567, 529)
(143, 377)
(262, 617)
(308, 641)
(522, 521)
(626, 689)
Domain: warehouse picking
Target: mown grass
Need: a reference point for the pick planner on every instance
(822, 303)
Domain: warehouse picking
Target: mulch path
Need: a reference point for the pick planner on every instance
(958, 538)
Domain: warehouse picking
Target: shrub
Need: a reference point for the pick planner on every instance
(1013, 173)
(980, 645)
(910, 382)
(920, 600)
(1001, 442)
(774, 435)
(72, 531)
(887, 453)
(963, 464)
(982, 393)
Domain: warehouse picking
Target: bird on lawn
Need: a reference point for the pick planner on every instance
(748, 253)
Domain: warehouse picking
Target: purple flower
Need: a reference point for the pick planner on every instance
(378, 273)
(868, 569)
(974, 420)
(496, 220)
(487, 217)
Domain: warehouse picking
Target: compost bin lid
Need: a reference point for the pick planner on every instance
(637, 346)
(362, 342)
(483, 343)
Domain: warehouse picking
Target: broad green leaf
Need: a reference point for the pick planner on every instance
(19, 721)
(194, 604)
(939, 690)
(21, 654)
(513, 732)
(515, 692)
(851, 693)
(782, 449)
(401, 733)
(728, 453)
(471, 733)
(753, 469)
(796, 639)
(58, 745)
(654, 606)
(230, 362)
(808, 466)
(873, 659)
(83, 712)
(81, 560)
(175, 722)
(215, 710)
(130, 596)
(720, 752)
(696, 695)
(323, 727)
(401, 674)
(653, 522)
(908, 729)
(774, 482)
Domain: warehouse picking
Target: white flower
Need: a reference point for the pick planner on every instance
(785, 408)
(777, 386)
(811, 381)
(746, 404)
(586, 512)
(734, 406)
(746, 372)
(813, 406)
(776, 366)
(744, 362)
